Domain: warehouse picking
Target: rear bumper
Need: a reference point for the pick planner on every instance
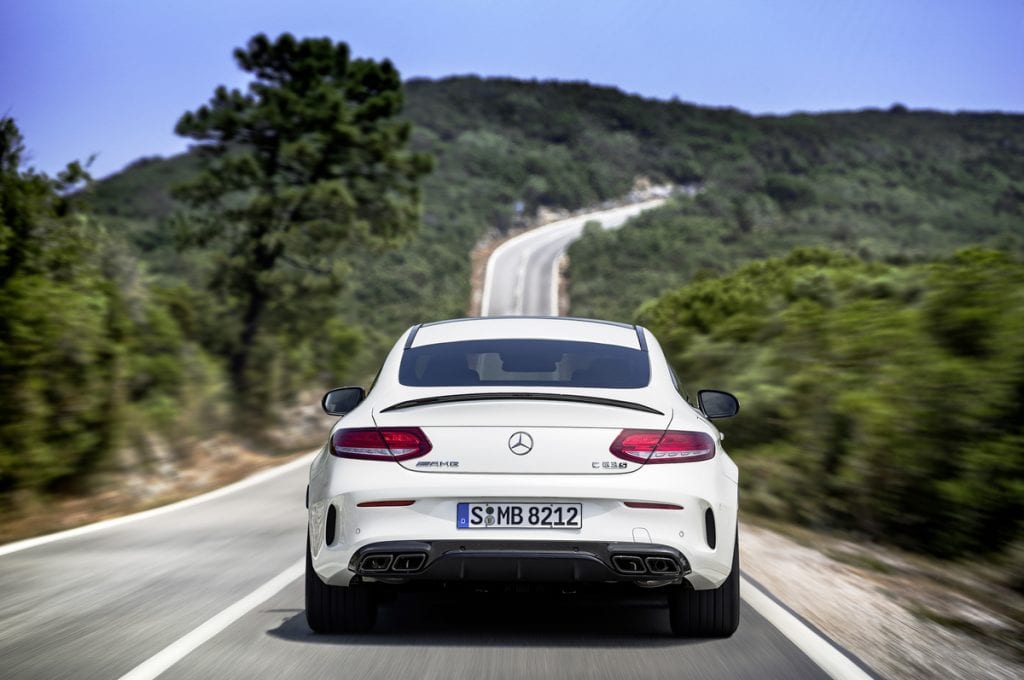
(519, 561)
(342, 532)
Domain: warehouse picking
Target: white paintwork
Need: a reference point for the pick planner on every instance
(459, 431)
(537, 328)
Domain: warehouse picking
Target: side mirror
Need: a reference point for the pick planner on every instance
(341, 400)
(717, 404)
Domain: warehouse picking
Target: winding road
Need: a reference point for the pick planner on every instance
(522, 273)
(211, 588)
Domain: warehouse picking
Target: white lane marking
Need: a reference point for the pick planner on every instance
(817, 648)
(188, 643)
(257, 478)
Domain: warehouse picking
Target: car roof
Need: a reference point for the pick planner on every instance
(534, 327)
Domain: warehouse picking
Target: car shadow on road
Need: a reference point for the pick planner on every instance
(521, 619)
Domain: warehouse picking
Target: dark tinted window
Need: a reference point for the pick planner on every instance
(554, 363)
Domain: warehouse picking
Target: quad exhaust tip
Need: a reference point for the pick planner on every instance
(645, 564)
(629, 564)
(383, 563)
(376, 563)
(662, 565)
(409, 562)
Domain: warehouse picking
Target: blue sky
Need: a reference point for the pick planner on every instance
(111, 77)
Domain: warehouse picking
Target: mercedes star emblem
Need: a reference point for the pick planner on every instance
(520, 443)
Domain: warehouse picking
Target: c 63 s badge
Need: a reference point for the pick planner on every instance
(438, 464)
(609, 465)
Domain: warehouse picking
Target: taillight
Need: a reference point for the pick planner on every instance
(655, 446)
(385, 443)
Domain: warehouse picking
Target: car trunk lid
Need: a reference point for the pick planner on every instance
(523, 433)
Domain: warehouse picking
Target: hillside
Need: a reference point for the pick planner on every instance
(887, 191)
(891, 186)
(498, 143)
(881, 184)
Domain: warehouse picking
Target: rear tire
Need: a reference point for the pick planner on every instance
(337, 609)
(708, 613)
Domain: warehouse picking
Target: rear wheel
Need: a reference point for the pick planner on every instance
(337, 609)
(708, 613)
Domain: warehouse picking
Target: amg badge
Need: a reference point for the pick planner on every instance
(438, 464)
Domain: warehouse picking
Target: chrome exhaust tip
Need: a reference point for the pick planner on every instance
(409, 562)
(376, 563)
(629, 564)
(662, 565)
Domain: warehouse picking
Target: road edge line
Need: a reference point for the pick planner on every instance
(556, 287)
(252, 480)
(155, 665)
(825, 654)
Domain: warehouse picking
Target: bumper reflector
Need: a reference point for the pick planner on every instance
(652, 506)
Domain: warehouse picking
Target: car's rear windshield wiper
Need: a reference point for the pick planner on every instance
(528, 396)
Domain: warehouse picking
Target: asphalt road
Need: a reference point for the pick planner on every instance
(521, 273)
(101, 604)
(212, 588)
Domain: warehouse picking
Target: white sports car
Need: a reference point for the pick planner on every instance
(508, 450)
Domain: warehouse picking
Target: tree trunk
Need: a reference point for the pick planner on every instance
(248, 408)
(250, 402)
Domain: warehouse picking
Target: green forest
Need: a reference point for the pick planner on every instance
(854, 277)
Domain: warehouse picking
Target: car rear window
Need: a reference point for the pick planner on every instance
(554, 363)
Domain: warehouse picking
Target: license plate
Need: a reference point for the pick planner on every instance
(519, 516)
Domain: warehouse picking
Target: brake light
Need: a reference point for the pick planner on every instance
(385, 443)
(655, 446)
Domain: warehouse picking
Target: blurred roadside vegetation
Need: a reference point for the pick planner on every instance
(885, 399)
(110, 335)
(94, 353)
